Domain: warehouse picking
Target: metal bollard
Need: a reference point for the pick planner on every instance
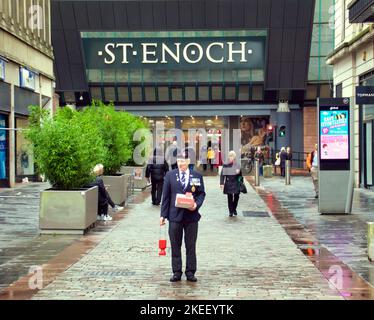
(370, 241)
(257, 173)
(288, 172)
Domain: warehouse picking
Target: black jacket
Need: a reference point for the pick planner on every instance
(102, 193)
(157, 169)
(230, 178)
(285, 156)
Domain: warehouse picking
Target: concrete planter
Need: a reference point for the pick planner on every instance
(140, 182)
(68, 211)
(117, 187)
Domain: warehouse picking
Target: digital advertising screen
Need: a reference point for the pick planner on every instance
(334, 135)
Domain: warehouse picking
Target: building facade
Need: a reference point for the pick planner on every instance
(26, 78)
(209, 64)
(353, 63)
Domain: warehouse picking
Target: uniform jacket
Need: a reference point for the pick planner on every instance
(230, 179)
(173, 186)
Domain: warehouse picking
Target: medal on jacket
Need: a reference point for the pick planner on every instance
(193, 189)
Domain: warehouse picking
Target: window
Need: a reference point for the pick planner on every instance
(24, 151)
(244, 93)
(325, 91)
(163, 94)
(2, 69)
(123, 94)
(27, 78)
(339, 90)
(136, 94)
(257, 93)
(95, 93)
(150, 94)
(190, 93)
(217, 93)
(311, 92)
(176, 94)
(70, 96)
(110, 94)
(203, 93)
(230, 93)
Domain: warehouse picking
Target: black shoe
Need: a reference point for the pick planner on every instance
(316, 196)
(230, 214)
(175, 278)
(191, 278)
(235, 213)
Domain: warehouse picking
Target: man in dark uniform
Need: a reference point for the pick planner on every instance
(155, 172)
(181, 181)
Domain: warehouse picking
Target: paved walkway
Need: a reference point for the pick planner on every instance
(343, 235)
(238, 258)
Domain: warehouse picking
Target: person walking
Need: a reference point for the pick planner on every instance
(181, 220)
(259, 156)
(312, 165)
(283, 157)
(155, 173)
(230, 184)
(211, 156)
(172, 153)
(190, 154)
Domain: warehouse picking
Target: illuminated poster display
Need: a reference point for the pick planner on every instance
(3, 173)
(334, 135)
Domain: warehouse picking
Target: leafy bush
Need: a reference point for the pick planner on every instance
(66, 147)
(116, 129)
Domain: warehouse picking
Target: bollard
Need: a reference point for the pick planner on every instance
(371, 241)
(288, 172)
(257, 173)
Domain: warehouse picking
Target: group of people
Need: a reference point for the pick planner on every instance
(281, 158)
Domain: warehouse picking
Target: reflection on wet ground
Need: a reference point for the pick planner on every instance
(336, 244)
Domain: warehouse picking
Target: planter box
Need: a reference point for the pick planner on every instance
(140, 182)
(117, 187)
(268, 171)
(68, 212)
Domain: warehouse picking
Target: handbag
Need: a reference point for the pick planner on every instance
(242, 187)
(278, 162)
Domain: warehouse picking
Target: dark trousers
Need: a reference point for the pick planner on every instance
(232, 201)
(190, 236)
(283, 171)
(103, 209)
(157, 191)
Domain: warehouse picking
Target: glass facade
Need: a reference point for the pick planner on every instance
(322, 42)
(3, 147)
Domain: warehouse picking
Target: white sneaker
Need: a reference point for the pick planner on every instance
(107, 218)
(118, 208)
(100, 217)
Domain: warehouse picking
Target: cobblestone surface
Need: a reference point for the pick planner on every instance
(343, 235)
(238, 258)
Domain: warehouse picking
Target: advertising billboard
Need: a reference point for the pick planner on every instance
(334, 134)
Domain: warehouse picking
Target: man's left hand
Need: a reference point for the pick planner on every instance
(194, 207)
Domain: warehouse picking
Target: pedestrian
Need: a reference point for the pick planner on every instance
(203, 156)
(172, 152)
(312, 165)
(190, 154)
(155, 173)
(283, 157)
(211, 156)
(277, 162)
(104, 199)
(230, 182)
(217, 159)
(259, 156)
(181, 220)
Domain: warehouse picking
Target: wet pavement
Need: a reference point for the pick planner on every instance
(328, 240)
(278, 247)
(246, 257)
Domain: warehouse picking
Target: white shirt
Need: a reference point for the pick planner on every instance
(187, 177)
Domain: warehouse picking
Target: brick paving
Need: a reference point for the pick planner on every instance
(238, 258)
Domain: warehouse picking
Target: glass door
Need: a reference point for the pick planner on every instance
(4, 161)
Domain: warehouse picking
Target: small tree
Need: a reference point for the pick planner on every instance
(66, 148)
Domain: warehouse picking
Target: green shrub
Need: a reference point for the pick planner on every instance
(116, 129)
(66, 147)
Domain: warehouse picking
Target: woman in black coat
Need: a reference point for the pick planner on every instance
(230, 175)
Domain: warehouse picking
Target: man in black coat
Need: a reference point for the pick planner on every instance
(181, 181)
(156, 170)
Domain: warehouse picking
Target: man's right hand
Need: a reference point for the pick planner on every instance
(162, 221)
